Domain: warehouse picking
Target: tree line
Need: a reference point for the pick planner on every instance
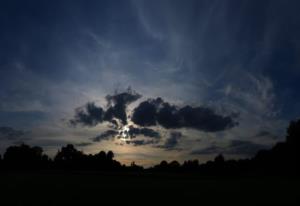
(283, 158)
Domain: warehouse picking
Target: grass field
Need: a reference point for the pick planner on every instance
(146, 189)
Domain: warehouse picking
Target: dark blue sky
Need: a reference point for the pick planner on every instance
(237, 57)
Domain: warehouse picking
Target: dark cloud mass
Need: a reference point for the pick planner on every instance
(157, 112)
(91, 115)
(117, 104)
(145, 113)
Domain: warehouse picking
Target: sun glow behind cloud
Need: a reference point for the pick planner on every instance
(125, 133)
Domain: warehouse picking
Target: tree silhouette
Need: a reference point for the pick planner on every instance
(68, 157)
(293, 134)
(68, 153)
(110, 155)
(25, 157)
(190, 165)
(219, 159)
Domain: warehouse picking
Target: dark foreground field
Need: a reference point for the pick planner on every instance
(147, 189)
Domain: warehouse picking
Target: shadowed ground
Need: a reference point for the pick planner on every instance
(145, 189)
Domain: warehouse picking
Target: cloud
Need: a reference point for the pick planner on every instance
(263, 133)
(235, 147)
(11, 133)
(91, 115)
(117, 104)
(109, 134)
(150, 136)
(145, 114)
(172, 141)
(132, 132)
(83, 144)
(157, 112)
(141, 142)
(256, 93)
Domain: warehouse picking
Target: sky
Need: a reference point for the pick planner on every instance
(149, 80)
